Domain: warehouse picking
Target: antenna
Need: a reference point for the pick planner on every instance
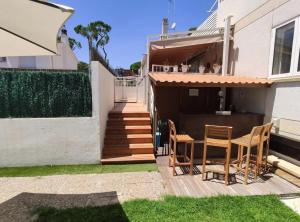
(172, 15)
(212, 7)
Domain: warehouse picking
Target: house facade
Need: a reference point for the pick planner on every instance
(245, 59)
(64, 60)
(267, 44)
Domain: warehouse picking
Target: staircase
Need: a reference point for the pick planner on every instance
(128, 137)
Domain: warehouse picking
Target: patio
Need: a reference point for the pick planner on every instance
(193, 186)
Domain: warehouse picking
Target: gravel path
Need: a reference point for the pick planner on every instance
(20, 196)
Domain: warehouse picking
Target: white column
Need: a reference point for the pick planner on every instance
(226, 43)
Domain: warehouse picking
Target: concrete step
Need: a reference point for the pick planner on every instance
(128, 130)
(127, 139)
(121, 159)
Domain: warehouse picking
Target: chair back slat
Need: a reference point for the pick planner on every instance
(172, 128)
(256, 134)
(267, 129)
(218, 132)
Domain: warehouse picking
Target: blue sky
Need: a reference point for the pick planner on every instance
(132, 21)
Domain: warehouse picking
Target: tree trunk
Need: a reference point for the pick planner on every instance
(105, 54)
(90, 42)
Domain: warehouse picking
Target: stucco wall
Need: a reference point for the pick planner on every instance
(26, 142)
(103, 97)
(237, 8)
(65, 59)
(250, 56)
(47, 141)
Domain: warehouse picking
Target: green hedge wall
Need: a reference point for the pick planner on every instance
(44, 94)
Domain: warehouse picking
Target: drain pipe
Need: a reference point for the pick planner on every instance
(226, 44)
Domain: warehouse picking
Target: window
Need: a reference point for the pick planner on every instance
(2, 59)
(285, 53)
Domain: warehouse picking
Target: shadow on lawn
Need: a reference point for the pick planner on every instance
(28, 206)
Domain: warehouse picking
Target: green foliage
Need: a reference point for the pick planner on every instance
(44, 94)
(74, 44)
(220, 208)
(135, 67)
(97, 35)
(83, 67)
(193, 29)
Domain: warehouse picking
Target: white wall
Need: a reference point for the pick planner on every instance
(47, 141)
(237, 8)
(57, 141)
(103, 97)
(250, 56)
(64, 60)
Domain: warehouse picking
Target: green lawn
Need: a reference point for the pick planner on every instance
(73, 169)
(222, 208)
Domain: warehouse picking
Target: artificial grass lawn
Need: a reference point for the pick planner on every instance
(73, 169)
(222, 208)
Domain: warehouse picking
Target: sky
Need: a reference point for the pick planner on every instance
(132, 21)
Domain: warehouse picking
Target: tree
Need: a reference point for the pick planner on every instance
(83, 67)
(74, 44)
(96, 34)
(135, 67)
(193, 29)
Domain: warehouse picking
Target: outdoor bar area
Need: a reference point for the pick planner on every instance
(193, 101)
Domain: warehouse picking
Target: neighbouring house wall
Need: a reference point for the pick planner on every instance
(250, 56)
(59, 141)
(64, 60)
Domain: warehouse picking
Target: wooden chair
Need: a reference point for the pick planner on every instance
(217, 136)
(174, 139)
(265, 150)
(254, 139)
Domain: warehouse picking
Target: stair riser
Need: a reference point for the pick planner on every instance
(127, 131)
(121, 151)
(113, 141)
(128, 123)
(124, 115)
(105, 162)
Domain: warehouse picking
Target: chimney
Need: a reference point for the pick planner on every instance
(165, 27)
(64, 35)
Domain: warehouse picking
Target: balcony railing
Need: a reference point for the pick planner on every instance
(174, 35)
(216, 69)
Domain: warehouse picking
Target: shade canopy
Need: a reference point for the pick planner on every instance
(176, 50)
(209, 80)
(30, 27)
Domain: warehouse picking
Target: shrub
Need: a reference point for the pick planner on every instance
(44, 94)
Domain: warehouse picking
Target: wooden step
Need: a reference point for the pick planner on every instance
(128, 130)
(121, 159)
(127, 139)
(128, 121)
(146, 148)
(128, 114)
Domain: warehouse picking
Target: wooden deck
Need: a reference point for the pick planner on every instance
(186, 185)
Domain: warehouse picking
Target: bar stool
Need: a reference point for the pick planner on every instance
(248, 141)
(266, 135)
(173, 156)
(220, 137)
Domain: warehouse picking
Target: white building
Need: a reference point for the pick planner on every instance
(64, 60)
